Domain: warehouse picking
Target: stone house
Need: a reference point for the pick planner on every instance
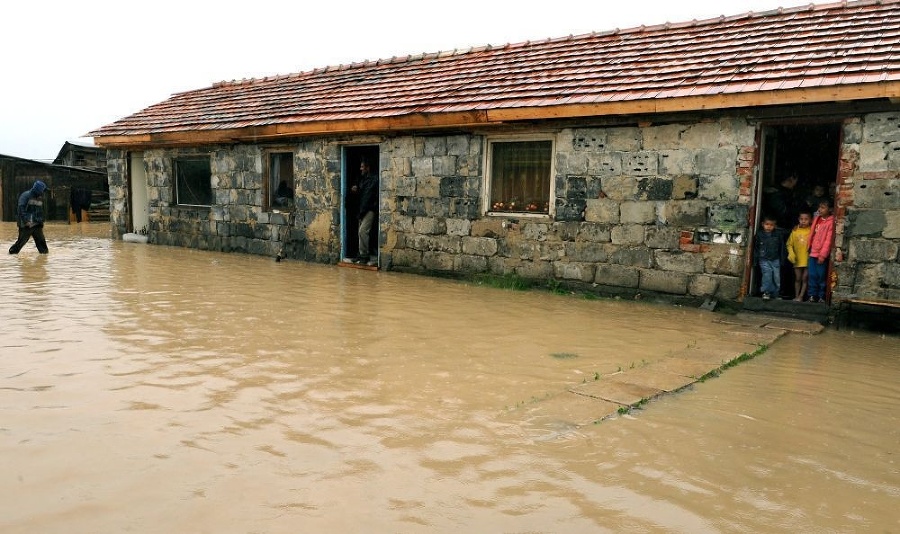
(630, 161)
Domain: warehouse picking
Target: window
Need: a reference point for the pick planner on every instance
(520, 176)
(193, 181)
(280, 181)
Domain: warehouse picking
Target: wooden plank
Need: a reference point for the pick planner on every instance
(413, 121)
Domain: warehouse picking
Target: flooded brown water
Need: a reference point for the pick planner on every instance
(156, 389)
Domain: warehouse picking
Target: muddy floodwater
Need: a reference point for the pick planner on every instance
(155, 389)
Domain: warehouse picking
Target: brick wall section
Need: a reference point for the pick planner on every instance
(867, 244)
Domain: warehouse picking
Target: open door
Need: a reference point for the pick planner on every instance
(351, 159)
(811, 153)
(138, 220)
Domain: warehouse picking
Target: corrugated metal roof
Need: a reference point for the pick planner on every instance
(828, 45)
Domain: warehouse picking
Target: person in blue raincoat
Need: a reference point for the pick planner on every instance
(30, 218)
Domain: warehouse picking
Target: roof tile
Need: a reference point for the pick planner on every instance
(835, 44)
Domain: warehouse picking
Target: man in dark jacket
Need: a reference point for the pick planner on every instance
(30, 218)
(368, 208)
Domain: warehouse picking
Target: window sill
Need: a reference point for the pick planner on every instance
(519, 215)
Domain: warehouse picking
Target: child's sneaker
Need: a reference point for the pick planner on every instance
(766, 296)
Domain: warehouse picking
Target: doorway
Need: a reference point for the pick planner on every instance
(138, 220)
(351, 158)
(811, 153)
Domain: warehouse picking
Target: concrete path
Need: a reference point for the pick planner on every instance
(743, 337)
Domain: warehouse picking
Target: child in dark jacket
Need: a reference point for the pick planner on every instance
(769, 251)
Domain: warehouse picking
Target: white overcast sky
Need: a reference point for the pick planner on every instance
(69, 67)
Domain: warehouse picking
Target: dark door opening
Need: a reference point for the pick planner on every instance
(353, 156)
(809, 152)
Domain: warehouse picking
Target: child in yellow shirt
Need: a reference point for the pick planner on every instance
(798, 253)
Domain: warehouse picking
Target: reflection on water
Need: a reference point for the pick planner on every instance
(149, 389)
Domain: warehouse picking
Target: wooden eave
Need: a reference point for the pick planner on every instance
(492, 117)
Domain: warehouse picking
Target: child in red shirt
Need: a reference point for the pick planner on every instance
(820, 238)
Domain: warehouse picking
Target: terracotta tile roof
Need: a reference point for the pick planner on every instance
(833, 45)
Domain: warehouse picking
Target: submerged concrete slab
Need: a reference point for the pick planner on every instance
(605, 397)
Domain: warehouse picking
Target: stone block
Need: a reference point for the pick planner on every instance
(570, 209)
(627, 234)
(866, 222)
(452, 186)
(438, 261)
(664, 237)
(428, 186)
(664, 137)
(617, 275)
(479, 246)
(601, 210)
(458, 227)
(637, 212)
(640, 163)
(685, 213)
(572, 187)
(877, 194)
(852, 132)
(724, 187)
(535, 231)
(571, 163)
(457, 145)
(472, 264)
(728, 217)
(891, 225)
(729, 287)
(596, 233)
(428, 225)
(703, 285)
(583, 251)
(882, 127)
(716, 161)
(405, 186)
(574, 271)
(604, 164)
(873, 250)
(725, 264)
(683, 262)
(445, 166)
(535, 270)
(620, 187)
(664, 282)
(631, 256)
(701, 136)
(488, 227)
(435, 146)
(676, 162)
(589, 139)
(626, 139)
(655, 189)
(873, 157)
(685, 187)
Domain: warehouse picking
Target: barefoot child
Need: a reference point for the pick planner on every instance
(820, 237)
(798, 253)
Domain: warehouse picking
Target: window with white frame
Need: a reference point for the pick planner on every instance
(280, 181)
(193, 181)
(520, 178)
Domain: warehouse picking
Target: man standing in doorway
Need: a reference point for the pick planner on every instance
(30, 218)
(368, 209)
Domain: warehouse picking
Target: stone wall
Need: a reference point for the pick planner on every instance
(654, 208)
(235, 222)
(868, 213)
